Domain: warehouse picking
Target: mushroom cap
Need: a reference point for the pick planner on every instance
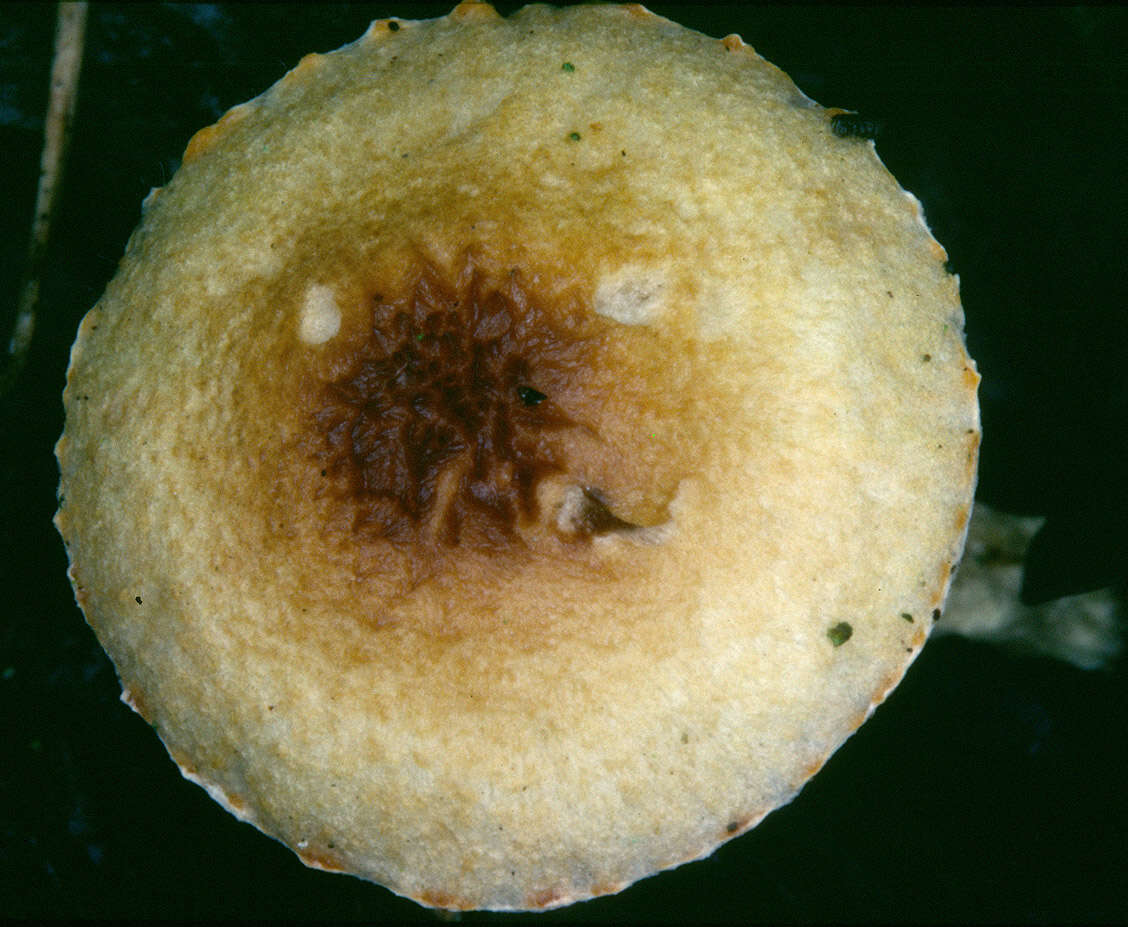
(515, 453)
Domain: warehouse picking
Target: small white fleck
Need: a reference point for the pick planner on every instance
(633, 298)
(320, 316)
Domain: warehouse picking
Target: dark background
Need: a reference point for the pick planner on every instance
(990, 787)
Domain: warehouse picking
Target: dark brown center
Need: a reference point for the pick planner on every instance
(443, 421)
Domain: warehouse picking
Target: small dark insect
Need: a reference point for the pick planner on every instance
(530, 396)
(852, 125)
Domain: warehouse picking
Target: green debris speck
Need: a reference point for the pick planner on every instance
(573, 136)
(906, 616)
(839, 633)
(568, 66)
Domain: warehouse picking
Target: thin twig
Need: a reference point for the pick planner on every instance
(69, 44)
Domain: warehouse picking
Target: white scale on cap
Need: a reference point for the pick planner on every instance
(321, 316)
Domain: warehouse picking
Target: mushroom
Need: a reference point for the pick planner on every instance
(515, 453)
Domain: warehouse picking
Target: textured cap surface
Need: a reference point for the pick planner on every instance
(515, 453)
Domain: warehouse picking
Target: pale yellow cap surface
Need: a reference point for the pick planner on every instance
(515, 453)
